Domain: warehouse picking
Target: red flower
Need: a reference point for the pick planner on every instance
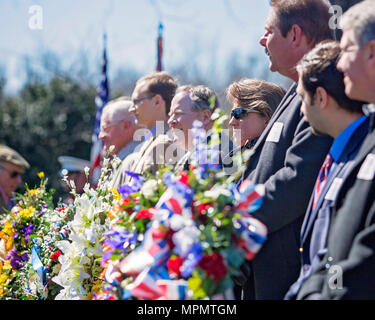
(56, 255)
(184, 178)
(125, 202)
(213, 265)
(202, 211)
(145, 214)
(174, 265)
(204, 207)
(60, 209)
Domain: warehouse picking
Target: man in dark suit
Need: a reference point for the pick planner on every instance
(329, 111)
(347, 269)
(287, 156)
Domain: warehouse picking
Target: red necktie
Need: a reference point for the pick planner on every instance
(322, 178)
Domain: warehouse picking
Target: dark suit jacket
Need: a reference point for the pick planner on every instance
(288, 168)
(350, 256)
(315, 226)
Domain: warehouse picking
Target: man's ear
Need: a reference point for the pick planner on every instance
(206, 117)
(321, 97)
(124, 124)
(295, 34)
(158, 100)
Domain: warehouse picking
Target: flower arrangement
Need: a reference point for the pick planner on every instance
(184, 235)
(20, 226)
(81, 252)
(168, 235)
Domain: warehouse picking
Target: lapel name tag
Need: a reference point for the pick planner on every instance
(275, 133)
(367, 170)
(334, 189)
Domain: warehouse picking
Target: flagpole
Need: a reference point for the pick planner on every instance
(159, 47)
(101, 99)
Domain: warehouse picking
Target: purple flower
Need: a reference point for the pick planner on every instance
(15, 259)
(127, 190)
(118, 241)
(25, 257)
(27, 231)
(137, 177)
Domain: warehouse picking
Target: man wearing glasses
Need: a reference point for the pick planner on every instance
(12, 165)
(151, 99)
(194, 103)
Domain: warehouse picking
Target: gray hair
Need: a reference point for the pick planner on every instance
(118, 110)
(203, 98)
(361, 18)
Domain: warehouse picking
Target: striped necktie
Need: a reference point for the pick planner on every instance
(322, 178)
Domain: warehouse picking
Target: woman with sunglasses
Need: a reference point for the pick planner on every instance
(253, 103)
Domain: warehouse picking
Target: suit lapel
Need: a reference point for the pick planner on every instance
(346, 165)
(367, 146)
(282, 106)
(139, 164)
(313, 213)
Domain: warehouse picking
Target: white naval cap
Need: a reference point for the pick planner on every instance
(72, 164)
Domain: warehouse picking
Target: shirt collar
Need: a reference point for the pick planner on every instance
(150, 133)
(343, 138)
(129, 148)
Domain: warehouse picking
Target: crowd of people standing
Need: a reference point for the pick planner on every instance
(313, 148)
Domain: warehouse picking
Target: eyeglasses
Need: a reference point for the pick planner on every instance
(12, 174)
(240, 113)
(136, 101)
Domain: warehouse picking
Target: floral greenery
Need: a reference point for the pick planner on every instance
(20, 226)
(79, 274)
(168, 231)
(179, 231)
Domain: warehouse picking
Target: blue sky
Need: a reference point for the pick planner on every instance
(208, 29)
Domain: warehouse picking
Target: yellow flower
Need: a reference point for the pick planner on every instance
(27, 213)
(41, 174)
(3, 279)
(33, 192)
(8, 229)
(7, 266)
(115, 194)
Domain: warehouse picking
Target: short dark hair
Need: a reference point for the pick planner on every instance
(161, 82)
(312, 16)
(254, 94)
(318, 69)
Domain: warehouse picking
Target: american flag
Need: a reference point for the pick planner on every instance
(101, 99)
(159, 45)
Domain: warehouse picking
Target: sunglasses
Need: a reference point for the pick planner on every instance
(240, 113)
(12, 174)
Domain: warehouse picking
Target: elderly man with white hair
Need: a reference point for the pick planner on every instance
(117, 128)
